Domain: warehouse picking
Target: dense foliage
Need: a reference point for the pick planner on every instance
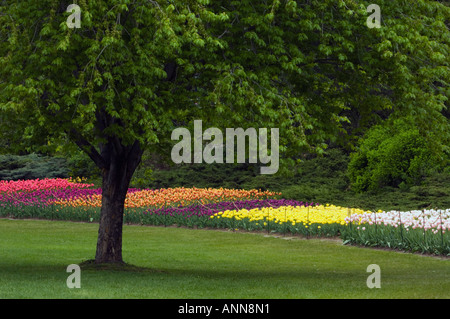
(312, 68)
(393, 156)
(33, 166)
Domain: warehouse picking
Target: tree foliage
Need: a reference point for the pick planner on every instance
(136, 69)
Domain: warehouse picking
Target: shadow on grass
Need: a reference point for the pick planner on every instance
(117, 266)
(221, 274)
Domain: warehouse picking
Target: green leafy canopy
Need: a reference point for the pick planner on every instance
(135, 70)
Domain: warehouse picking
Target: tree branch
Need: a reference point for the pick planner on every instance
(87, 147)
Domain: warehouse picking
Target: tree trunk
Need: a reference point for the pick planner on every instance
(116, 180)
(109, 243)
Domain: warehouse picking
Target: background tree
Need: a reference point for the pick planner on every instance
(136, 70)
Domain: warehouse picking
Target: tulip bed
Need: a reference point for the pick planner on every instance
(426, 231)
(249, 210)
(309, 220)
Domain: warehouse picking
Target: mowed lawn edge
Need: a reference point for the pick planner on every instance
(189, 263)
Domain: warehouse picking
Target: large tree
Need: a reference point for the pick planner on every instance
(137, 69)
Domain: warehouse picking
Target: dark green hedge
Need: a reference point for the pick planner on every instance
(32, 166)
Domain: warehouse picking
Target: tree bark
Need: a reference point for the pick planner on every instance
(116, 180)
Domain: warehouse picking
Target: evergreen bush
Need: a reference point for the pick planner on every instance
(32, 166)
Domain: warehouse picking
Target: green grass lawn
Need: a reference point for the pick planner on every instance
(188, 263)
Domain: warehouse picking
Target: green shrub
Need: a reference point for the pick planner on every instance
(32, 166)
(392, 156)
